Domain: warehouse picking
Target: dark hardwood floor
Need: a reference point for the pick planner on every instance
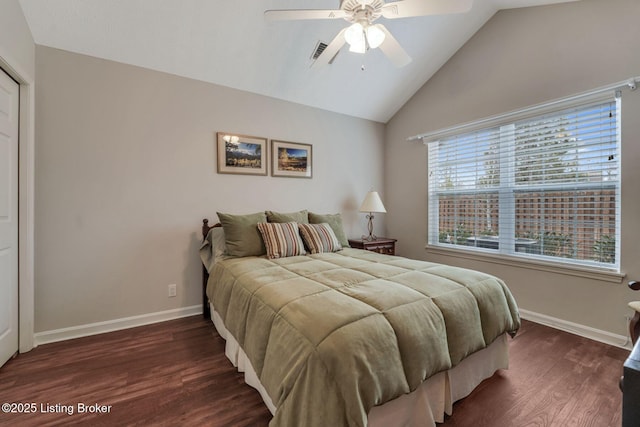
(176, 374)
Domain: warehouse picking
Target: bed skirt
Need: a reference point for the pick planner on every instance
(425, 406)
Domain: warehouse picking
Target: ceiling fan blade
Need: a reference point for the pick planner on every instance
(284, 15)
(330, 51)
(408, 8)
(393, 50)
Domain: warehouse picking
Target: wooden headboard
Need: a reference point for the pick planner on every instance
(206, 312)
(206, 228)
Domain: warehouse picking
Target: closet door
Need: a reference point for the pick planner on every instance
(9, 113)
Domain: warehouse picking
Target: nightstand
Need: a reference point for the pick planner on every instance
(382, 245)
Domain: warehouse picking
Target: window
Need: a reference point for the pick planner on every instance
(544, 185)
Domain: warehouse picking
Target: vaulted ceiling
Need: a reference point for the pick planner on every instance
(231, 44)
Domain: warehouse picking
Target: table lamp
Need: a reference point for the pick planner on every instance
(371, 204)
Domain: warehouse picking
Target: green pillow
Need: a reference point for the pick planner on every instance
(242, 237)
(299, 217)
(335, 222)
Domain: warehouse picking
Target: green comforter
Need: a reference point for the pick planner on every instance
(332, 335)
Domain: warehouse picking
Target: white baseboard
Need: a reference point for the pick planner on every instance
(114, 325)
(577, 329)
(162, 316)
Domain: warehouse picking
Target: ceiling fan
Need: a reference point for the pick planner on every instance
(363, 34)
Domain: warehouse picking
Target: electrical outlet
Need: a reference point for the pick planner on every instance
(171, 292)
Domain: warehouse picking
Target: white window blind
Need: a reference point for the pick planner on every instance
(544, 186)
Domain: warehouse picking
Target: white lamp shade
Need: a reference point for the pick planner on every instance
(358, 48)
(372, 203)
(355, 37)
(359, 36)
(375, 36)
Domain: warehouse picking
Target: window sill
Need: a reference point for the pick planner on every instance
(514, 261)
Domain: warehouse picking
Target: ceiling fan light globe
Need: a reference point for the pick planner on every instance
(357, 48)
(375, 36)
(354, 35)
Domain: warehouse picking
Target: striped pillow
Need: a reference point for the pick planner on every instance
(319, 238)
(281, 239)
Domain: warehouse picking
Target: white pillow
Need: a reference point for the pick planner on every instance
(218, 243)
(213, 248)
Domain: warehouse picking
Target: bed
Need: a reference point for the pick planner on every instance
(352, 337)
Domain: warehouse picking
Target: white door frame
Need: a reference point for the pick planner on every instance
(26, 178)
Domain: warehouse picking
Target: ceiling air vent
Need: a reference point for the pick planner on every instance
(317, 51)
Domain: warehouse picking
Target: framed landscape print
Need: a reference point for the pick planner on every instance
(291, 159)
(242, 154)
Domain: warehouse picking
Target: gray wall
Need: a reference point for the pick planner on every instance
(523, 57)
(126, 170)
(16, 43)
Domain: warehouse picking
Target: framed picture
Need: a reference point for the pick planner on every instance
(242, 154)
(291, 159)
